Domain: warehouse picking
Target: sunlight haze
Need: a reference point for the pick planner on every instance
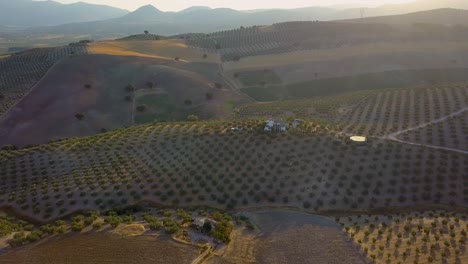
(241, 4)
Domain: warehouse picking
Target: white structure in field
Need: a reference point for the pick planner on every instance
(359, 140)
(297, 122)
(276, 126)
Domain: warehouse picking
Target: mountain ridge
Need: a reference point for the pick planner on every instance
(27, 13)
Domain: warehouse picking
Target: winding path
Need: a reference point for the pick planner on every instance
(393, 136)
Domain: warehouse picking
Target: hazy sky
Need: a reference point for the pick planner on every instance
(176, 5)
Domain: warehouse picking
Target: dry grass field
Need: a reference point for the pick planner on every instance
(101, 248)
(95, 86)
(166, 49)
(416, 237)
(195, 164)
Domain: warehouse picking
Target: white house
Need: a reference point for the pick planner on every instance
(276, 126)
(269, 126)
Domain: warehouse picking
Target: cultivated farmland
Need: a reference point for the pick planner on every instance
(399, 109)
(415, 237)
(451, 132)
(283, 236)
(105, 248)
(19, 72)
(180, 164)
(374, 112)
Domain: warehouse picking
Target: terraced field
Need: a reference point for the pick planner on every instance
(207, 164)
(416, 237)
(19, 72)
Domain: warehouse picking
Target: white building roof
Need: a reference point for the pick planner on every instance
(358, 139)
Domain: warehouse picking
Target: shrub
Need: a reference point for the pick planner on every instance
(155, 225)
(223, 231)
(79, 116)
(192, 118)
(130, 88)
(141, 108)
(97, 225)
(113, 220)
(77, 226)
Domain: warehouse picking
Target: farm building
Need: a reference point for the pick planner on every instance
(276, 126)
(199, 222)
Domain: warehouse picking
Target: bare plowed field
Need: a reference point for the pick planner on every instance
(291, 237)
(98, 248)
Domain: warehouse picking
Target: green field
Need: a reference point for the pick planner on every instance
(261, 77)
(160, 107)
(371, 81)
(265, 93)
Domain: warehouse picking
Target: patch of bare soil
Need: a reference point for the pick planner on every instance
(290, 237)
(94, 86)
(104, 248)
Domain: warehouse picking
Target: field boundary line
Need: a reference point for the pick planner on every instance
(202, 257)
(232, 83)
(32, 88)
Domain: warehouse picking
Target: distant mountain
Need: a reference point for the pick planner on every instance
(195, 19)
(28, 13)
(397, 9)
(444, 16)
(194, 8)
(204, 19)
(144, 14)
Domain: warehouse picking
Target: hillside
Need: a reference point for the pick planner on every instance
(118, 84)
(289, 37)
(28, 13)
(444, 16)
(205, 20)
(180, 164)
(21, 71)
(399, 8)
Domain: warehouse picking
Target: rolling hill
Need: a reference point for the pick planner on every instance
(205, 20)
(443, 16)
(28, 13)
